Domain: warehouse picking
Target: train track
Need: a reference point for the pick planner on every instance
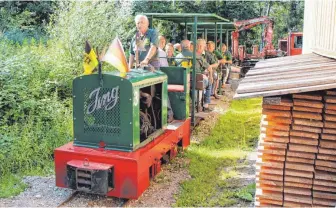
(124, 202)
(70, 198)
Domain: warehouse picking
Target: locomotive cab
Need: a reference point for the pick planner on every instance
(118, 113)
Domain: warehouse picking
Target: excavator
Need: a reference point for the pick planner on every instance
(239, 51)
(245, 60)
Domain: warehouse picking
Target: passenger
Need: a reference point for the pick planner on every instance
(162, 53)
(183, 59)
(214, 63)
(177, 48)
(170, 54)
(145, 43)
(191, 46)
(202, 66)
(226, 62)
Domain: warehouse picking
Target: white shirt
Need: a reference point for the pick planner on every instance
(163, 58)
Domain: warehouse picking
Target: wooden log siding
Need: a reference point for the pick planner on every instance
(296, 163)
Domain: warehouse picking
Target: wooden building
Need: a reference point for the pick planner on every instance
(296, 163)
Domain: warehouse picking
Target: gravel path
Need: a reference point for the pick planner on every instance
(42, 192)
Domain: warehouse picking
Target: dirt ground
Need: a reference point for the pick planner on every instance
(42, 192)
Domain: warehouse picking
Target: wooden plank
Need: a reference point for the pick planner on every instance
(324, 195)
(299, 166)
(328, 137)
(307, 129)
(279, 113)
(329, 131)
(276, 139)
(291, 90)
(298, 191)
(269, 188)
(296, 173)
(295, 204)
(274, 132)
(307, 115)
(324, 183)
(285, 84)
(301, 140)
(333, 170)
(327, 151)
(307, 109)
(324, 188)
(272, 171)
(302, 148)
(328, 144)
(298, 198)
(332, 112)
(309, 96)
(298, 180)
(275, 126)
(269, 182)
(306, 122)
(329, 106)
(267, 157)
(273, 144)
(271, 151)
(325, 202)
(270, 177)
(329, 99)
(300, 160)
(328, 117)
(297, 185)
(265, 202)
(326, 157)
(325, 163)
(294, 133)
(291, 153)
(277, 107)
(323, 175)
(308, 103)
(276, 119)
(331, 92)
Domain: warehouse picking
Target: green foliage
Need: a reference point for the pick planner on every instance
(12, 181)
(235, 133)
(247, 192)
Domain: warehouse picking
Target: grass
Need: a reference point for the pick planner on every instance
(231, 139)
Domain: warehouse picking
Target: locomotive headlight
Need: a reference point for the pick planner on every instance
(135, 97)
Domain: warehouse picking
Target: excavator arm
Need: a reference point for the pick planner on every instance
(248, 24)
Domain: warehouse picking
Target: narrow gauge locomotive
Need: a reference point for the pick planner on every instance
(121, 135)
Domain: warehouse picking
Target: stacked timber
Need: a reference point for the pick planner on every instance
(296, 164)
(324, 188)
(274, 137)
(302, 148)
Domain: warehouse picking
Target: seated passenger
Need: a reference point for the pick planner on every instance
(214, 63)
(162, 53)
(202, 66)
(183, 59)
(177, 48)
(170, 54)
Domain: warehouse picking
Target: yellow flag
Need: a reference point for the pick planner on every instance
(90, 59)
(115, 56)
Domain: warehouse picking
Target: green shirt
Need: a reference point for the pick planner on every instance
(211, 58)
(226, 55)
(201, 63)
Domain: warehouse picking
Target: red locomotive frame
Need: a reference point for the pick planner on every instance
(131, 170)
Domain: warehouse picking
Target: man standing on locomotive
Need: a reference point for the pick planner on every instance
(144, 45)
(144, 49)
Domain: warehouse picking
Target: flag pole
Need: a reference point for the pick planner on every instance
(100, 75)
